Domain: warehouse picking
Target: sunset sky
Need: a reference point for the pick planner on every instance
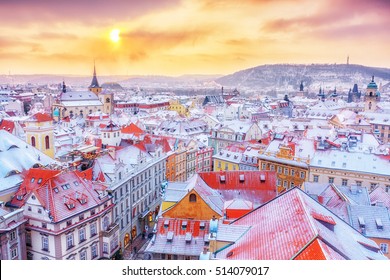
(173, 37)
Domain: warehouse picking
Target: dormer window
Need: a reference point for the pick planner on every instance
(184, 225)
(362, 223)
(379, 224)
(39, 180)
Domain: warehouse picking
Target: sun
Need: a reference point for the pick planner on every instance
(114, 35)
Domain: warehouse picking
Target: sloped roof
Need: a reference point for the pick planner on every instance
(16, 156)
(178, 244)
(7, 125)
(132, 129)
(285, 226)
(380, 195)
(40, 117)
(55, 189)
(371, 216)
(252, 188)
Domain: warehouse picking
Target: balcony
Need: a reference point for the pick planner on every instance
(111, 230)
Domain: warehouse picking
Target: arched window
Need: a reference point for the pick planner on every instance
(47, 142)
(192, 197)
(33, 141)
(108, 100)
(369, 106)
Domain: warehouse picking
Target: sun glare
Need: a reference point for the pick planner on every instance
(114, 35)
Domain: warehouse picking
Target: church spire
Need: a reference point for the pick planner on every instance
(94, 83)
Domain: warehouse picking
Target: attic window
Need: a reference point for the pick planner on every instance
(19, 197)
(262, 178)
(166, 223)
(39, 180)
(55, 190)
(333, 163)
(362, 223)
(170, 236)
(222, 178)
(32, 180)
(65, 187)
(70, 205)
(76, 183)
(184, 225)
(201, 225)
(242, 179)
(379, 224)
(192, 197)
(344, 164)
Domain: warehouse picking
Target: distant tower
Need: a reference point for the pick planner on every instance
(334, 95)
(94, 87)
(301, 86)
(321, 95)
(348, 60)
(40, 133)
(372, 97)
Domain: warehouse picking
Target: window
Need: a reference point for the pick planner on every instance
(81, 217)
(285, 184)
(303, 175)
(192, 197)
(82, 235)
(359, 183)
(14, 252)
(292, 172)
(47, 142)
(45, 243)
(33, 141)
(279, 169)
(272, 167)
(39, 211)
(105, 247)
(69, 223)
(315, 178)
(286, 171)
(106, 222)
(263, 166)
(344, 182)
(384, 248)
(372, 186)
(44, 225)
(279, 182)
(29, 208)
(94, 251)
(292, 185)
(12, 235)
(83, 255)
(387, 188)
(28, 238)
(331, 180)
(92, 229)
(69, 241)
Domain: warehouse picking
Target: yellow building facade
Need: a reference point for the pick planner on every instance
(40, 133)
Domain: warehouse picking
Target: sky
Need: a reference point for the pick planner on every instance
(177, 37)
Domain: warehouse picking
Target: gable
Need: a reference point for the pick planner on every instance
(187, 208)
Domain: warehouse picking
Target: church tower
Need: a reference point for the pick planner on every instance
(40, 133)
(372, 97)
(94, 87)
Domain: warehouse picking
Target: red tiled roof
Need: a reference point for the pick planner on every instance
(56, 189)
(132, 129)
(41, 117)
(284, 228)
(251, 189)
(7, 125)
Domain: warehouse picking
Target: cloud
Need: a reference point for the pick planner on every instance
(25, 12)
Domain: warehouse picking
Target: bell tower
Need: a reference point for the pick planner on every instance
(372, 97)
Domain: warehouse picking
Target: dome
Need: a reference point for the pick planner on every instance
(372, 84)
